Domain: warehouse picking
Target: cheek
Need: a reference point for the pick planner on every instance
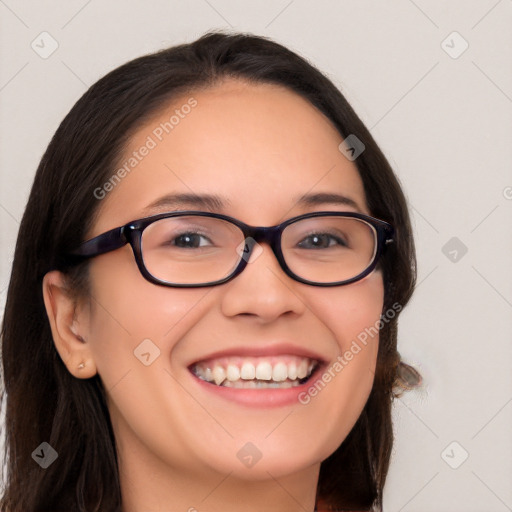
(352, 314)
(131, 317)
(349, 311)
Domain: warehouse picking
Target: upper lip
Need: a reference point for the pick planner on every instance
(262, 351)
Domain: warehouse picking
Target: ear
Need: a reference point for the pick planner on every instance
(69, 321)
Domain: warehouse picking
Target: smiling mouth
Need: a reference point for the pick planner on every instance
(285, 371)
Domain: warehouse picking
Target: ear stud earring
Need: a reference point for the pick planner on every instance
(81, 365)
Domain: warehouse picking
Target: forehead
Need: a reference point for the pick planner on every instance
(259, 147)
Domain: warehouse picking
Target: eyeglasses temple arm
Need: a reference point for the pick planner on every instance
(109, 241)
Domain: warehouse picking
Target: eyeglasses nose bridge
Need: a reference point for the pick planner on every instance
(270, 235)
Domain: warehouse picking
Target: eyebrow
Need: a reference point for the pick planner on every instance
(212, 202)
(209, 202)
(327, 198)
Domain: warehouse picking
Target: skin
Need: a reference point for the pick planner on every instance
(260, 147)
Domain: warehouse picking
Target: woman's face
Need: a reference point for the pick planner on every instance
(258, 148)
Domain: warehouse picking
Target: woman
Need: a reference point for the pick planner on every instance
(203, 307)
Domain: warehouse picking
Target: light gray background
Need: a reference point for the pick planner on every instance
(444, 123)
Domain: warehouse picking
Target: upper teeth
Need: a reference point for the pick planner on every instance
(265, 369)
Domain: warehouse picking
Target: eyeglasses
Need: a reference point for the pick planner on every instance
(189, 249)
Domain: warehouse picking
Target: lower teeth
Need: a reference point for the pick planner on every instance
(259, 384)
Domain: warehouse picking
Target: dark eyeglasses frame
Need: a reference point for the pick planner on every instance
(131, 233)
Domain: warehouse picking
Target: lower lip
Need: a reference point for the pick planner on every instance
(265, 397)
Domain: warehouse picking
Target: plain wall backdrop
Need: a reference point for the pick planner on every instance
(432, 80)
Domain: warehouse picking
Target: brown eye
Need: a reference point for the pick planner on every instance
(189, 240)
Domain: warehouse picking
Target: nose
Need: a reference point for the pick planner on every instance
(262, 290)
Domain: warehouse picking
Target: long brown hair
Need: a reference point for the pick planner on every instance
(43, 401)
